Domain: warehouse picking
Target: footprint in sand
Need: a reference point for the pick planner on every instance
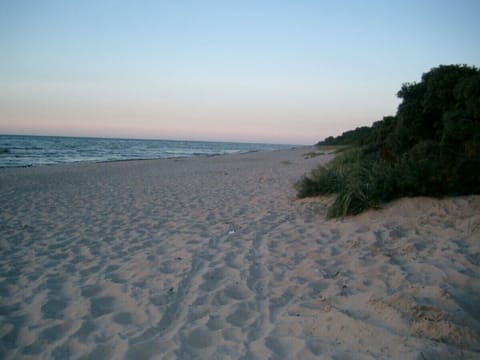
(240, 317)
(233, 334)
(237, 292)
(212, 280)
(102, 305)
(199, 338)
(284, 347)
(91, 290)
(54, 333)
(216, 322)
(87, 329)
(122, 318)
(54, 308)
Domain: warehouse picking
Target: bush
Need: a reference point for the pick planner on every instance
(431, 147)
(322, 181)
(358, 183)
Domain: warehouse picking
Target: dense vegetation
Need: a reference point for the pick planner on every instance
(351, 137)
(431, 147)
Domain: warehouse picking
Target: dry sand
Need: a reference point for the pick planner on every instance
(214, 258)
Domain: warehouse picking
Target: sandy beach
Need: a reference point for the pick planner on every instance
(215, 258)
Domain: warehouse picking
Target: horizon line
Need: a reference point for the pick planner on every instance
(153, 139)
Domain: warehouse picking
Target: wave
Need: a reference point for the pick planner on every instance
(21, 151)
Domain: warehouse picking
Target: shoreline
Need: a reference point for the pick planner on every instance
(32, 151)
(213, 256)
(176, 158)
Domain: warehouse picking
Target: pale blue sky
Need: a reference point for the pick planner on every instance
(268, 71)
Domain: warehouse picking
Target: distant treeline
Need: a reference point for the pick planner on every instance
(430, 147)
(351, 137)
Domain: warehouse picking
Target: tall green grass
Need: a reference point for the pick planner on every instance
(361, 180)
(357, 183)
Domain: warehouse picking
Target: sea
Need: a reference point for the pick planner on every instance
(26, 151)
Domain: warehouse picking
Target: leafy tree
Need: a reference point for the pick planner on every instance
(351, 137)
(430, 147)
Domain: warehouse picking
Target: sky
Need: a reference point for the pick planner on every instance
(290, 72)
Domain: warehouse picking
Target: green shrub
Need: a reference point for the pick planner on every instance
(322, 181)
(356, 193)
(431, 147)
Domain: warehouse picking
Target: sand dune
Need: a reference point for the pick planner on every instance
(214, 258)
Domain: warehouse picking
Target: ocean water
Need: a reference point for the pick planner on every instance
(24, 151)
